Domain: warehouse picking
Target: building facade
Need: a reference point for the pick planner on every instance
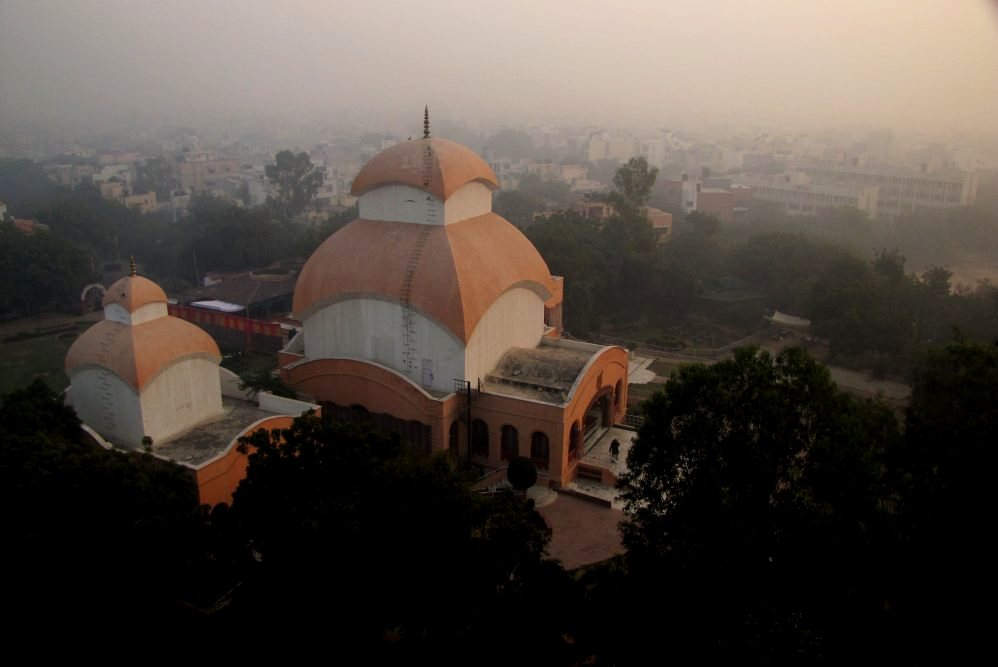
(435, 318)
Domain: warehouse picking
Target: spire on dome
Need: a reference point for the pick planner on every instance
(132, 271)
(426, 122)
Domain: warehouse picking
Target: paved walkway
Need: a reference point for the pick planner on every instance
(583, 532)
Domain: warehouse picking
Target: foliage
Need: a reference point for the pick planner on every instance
(521, 473)
(21, 183)
(944, 473)
(228, 237)
(517, 206)
(337, 512)
(265, 381)
(40, 271)
(746, 477)
(633, 183)
(315, 235)
(156, 175)
(295, 179)
(512, 144)
(96, 537)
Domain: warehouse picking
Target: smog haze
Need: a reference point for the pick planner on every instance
(929, 65)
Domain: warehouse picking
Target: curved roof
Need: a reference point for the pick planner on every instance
(133, 292)
(138, 353)
(437, 166)
(460, 269)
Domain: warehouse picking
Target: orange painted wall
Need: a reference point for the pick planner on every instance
(217, 481)
(608, 369)
(349, 382)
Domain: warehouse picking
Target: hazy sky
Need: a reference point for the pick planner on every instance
(899, 63)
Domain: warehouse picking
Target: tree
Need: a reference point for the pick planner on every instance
(338, 512)
(633, 183)
(296, 180)
(265, 381)
(40, 271)
(96, 537)
(521, 473)
(746, 478)
(156, 175)
(943, 476)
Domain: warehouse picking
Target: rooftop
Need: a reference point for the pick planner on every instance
(545, 373)
(209, 439)
(245, 289)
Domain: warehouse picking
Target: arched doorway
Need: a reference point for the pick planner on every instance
(574, 442)
(540, 450)
(509, 443)
(91, 297)
(480, 439)
(598, 415)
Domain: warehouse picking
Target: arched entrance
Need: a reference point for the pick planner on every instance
(599, 414)
(575, 442)
(91, 297)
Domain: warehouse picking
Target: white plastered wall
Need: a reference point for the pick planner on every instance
(151, 311)
(181, 396)
(402, 203)
(367, 328)
(515, 319)
(470, 200)
(107, 404)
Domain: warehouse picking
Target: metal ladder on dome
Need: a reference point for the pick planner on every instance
(430, 214)
(105, 390)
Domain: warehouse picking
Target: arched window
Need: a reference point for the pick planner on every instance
(510, 445)
(616, 395)
(540, 450)
(480, 439)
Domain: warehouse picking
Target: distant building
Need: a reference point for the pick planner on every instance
(661, 224)
(607, 147)
(718, 202)
(199, 173)
(112, 189)
(144, 202)
(796, 194)
(900, 189)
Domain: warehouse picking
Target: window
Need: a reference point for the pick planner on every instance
(480, 439)
(540, 450)
(510, 445)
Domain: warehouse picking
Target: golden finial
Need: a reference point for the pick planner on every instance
(132, 271)
(426, 122)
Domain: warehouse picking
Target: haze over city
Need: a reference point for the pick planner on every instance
(930, 66)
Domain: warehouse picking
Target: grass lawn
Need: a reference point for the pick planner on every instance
(42, 356)
(247, 363)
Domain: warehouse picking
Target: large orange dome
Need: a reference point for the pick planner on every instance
(437, 166)
(460, 269)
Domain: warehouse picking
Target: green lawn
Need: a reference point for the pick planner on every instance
(21, 361)
(247, 363)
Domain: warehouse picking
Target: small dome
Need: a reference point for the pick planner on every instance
(138, 353)
(461, 268)
(133, 292)
(437, 166)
